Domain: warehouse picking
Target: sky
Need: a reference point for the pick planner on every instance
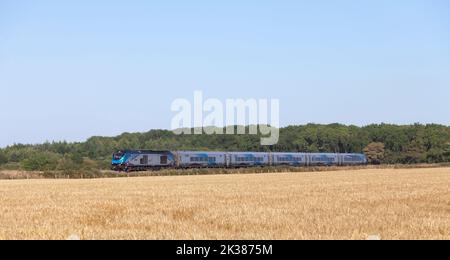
(74, 69)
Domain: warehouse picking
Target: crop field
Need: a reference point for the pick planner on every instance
(353, 204)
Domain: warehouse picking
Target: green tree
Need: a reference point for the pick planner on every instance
(77, 158)
(44, 161)
(67, 164)
(3, 158)
(447, 152)
(414, 153)
(375, 152)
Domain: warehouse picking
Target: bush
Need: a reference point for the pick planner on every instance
(41, 161)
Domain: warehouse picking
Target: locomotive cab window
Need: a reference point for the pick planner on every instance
(118, 156)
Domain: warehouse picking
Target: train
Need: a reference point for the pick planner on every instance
(144, 160)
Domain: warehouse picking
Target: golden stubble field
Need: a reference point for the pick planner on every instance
(391, 204)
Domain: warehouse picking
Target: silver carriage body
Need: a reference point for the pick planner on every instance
(323, 159)
(246, 159)
(187, 159)
(292, 159)
(352, 159)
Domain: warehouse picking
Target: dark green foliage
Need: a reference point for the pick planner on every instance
(446, 153)
(3, 158)
(41, 161)
(402, 144)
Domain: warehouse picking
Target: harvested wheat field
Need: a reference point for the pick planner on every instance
(390, 204)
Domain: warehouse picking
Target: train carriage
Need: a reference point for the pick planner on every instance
(324, 159)
(353, 159)
(291, 159)
(248, 159)
(186, 159)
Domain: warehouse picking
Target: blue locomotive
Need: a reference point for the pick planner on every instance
(142, 160)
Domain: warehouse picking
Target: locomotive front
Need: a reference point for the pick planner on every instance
(118, 161)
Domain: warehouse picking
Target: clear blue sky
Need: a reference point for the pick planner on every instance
(73, 69)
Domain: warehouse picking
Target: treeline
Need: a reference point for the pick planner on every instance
(383, 143)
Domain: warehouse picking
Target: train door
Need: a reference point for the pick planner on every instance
(164, 159)
(144, 160)
(177, 158)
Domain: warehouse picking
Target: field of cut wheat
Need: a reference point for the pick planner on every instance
(354, 204)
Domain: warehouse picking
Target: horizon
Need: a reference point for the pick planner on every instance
(76, 69)
(160, 129)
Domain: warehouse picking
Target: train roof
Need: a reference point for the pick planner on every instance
(230, 152)
(145, 151)
(210, 152)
